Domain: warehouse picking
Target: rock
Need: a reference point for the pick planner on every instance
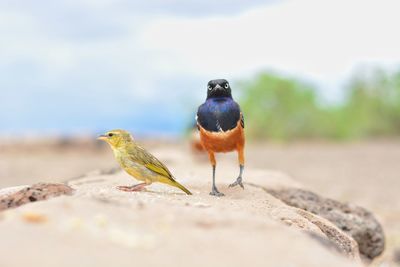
(321, 227)
(396, 256)
(101, 226)
(353, 220)
(37, 192)
(344, 244)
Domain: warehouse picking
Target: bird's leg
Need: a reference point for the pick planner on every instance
(241, 164)
(214, 190)
(239, 179)
(133, 188)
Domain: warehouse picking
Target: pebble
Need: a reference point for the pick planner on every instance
(33, 217)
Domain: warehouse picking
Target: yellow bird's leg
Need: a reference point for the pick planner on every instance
(241, 164)
(133, 188)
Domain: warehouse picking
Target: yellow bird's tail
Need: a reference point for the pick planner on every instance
(175, 184)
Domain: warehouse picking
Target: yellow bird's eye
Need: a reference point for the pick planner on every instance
(110, 135)
(226, 86)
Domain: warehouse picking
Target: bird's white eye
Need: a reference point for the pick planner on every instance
(209, 87)
(226, 86)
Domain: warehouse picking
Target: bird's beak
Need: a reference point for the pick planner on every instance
(102, 137)
(218, 87)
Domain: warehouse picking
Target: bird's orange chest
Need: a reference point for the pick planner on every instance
(223, 141)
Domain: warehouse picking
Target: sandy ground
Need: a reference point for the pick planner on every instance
(366, 173)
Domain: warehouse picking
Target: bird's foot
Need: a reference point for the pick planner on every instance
(237, 182)
(216, 193)
(133, 188)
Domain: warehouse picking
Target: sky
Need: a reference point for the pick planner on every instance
(73, 66)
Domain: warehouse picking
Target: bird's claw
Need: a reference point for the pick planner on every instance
(134, 188)
(216, 193)
(237, 182)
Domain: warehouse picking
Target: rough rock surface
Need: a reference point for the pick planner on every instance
(336, 238)
(353, 220)
(101, 226)
(37, 192)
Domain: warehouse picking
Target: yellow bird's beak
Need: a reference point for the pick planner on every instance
(102, 137)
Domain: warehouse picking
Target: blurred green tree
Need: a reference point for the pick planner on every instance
(372, 107)
(282, 108)
(279, 108)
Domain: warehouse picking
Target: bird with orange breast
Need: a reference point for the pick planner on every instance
(221, 125)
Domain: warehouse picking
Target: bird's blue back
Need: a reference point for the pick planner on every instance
(218, 114)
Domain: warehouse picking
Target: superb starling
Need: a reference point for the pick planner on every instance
(137, 162)
(221, 125)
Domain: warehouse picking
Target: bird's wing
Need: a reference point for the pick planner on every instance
(150, 162)
(241, 119)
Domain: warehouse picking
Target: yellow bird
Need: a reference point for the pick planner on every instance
(137, 162)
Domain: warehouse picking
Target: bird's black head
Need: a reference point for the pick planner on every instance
(218, 88)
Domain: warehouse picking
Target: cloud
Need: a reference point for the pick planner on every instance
(143, 64)
(320, 40)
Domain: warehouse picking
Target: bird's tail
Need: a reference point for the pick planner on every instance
(176, 184)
